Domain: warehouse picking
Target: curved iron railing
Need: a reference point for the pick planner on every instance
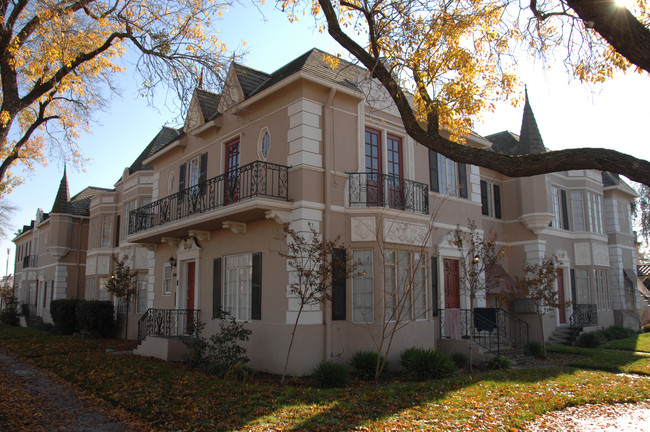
(167, 323)
(384, 190)
(584, 315)
(257, 179)
(494, 328)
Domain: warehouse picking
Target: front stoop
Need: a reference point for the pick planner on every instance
(164, 348)
(564, 336)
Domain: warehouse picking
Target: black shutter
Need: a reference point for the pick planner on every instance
(497, 201)
(256, 294)
(216, 287)
(485, 205)
(565, 213)
(181, 182)
(203, 171)
(117, 231)
(462, 180)
(339, 279)
(433, 171)
(573, 287)
(434, 286)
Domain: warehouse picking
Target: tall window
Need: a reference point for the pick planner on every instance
(141, 299)
(102, 292)
(404, 285)
(446, 176)
(238, 286)
(583, 291)
(167, 279)
(193, 172)
(602, 290)
(578, 209)
(560, 215)
(595, 207)
(232, 171)
(623, 209)
(107, 224)
(363, 287)
(91, 289)
(94, 233)
(490, 199)
(128, 207)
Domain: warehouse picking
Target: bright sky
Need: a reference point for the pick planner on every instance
(569, 114)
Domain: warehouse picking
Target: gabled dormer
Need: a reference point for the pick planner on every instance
(240, 83)
(203, 107)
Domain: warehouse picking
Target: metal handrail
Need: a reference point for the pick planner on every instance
(494, 333)
(584, 315)
(168, 323)
(385, 190)
(257, 179)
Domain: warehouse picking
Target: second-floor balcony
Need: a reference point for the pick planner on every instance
(30, 261)
(255, 180)
(384, 190)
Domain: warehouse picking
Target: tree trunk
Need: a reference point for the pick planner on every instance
(293, 334)
(126, 321)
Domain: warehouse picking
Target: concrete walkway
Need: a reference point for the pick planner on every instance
(45, 404)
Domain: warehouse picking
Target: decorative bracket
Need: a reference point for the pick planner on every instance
(199, 235)
(173, 241)
(279, 217)
(236, 227)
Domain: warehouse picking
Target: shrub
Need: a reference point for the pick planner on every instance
(645, 328)
(497, 362)
(460, 360)
(329, 375)
(238, 372)
(217, 354)
(617, 332)
(421, 364)
(64, 315)
(589, 340)
(364, 364)
(9, 313)
(96, 317)
(535, 349)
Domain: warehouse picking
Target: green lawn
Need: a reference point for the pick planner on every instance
(167, 396)
(640, 343)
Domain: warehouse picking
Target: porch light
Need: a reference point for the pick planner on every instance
(477, 259)
(172, 261)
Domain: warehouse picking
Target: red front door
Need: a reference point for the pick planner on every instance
(452, 285)
(189, 300)
(560, 295)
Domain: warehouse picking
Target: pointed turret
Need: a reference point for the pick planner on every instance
(62, 200)
(530, 140)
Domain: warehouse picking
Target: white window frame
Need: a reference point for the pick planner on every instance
(106, 231)
(447, 176)
(363, 298)
(238, 286)
(578, 211)
(602, 289)
(583, 287)
(595, 205)
(557, 207)
(402, 268)
(193, 172)
(167, 279)
(142, 286)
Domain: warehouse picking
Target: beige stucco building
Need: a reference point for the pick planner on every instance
(317, 144)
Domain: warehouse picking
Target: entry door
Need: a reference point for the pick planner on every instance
(452, 284)
(189, 300)
(560, 296)
(374, 192)
(231, 193)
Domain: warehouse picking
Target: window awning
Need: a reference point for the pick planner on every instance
(497, 279)
(630, 275)
(645, 292)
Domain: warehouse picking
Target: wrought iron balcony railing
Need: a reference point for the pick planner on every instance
(584, 315)
(168, 323)
(30, 261)
(257, 179)
(384, 190)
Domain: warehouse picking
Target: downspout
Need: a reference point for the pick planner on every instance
(328, 149)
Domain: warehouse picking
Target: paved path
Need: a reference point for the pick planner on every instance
(44, 403)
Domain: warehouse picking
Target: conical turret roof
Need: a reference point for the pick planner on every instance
(530, 140)
(62, 200)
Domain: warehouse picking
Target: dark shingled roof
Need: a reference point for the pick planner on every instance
(164, 137)
(208, 102)
(80, 204)
(314, 62)
(62, 196)
(249, 79)
(610, 179)
(528, 141)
